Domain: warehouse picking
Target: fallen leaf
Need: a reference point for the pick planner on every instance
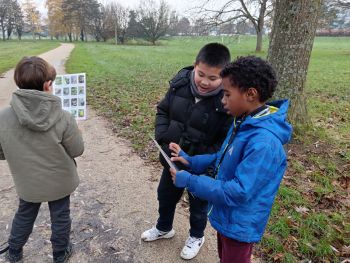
(302, 210)
(345, 251)
(278, 256)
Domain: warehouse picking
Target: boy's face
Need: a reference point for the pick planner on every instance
(206, 78)
(235, 101)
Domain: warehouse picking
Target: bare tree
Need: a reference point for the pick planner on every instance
(32, 16)
(3, 15)
(327, 15)
(254, 11)
(173, 23)
(14, 17)
(184, 26)
(292, 37)
(55, 18)
(81, 17)
(153, 19)
(19, 21)
(118, 17)
(201, 27)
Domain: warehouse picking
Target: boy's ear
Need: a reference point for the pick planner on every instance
(47, 87)
(252, 94)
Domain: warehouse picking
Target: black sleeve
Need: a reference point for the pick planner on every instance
(221, 134)
(162, 118)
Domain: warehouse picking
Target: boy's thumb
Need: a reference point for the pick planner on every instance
(179, 159)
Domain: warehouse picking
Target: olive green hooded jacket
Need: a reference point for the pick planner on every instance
(39, 141)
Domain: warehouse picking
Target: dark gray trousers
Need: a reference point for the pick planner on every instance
(23, 222)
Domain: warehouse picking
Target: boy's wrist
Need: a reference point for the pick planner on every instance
(186, 157)
(182, 179)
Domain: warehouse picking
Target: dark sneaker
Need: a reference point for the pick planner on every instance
(14, 256)
(64, 256)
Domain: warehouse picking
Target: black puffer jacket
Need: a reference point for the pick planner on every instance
(199, 128)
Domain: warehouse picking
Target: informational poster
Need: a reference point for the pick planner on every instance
(71, 88)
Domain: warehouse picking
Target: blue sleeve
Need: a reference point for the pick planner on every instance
(199, 163)
(257, 162)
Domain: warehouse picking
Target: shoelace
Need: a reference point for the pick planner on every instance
(191, 241)
(158, 233)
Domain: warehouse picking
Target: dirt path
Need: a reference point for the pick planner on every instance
(115, 202)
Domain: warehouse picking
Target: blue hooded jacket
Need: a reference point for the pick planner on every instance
(249, 176)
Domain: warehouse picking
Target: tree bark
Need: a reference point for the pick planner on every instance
(260, 26)
(259, 39)
(82, 35)
(3, 31)
(292, 37)
(116, 33)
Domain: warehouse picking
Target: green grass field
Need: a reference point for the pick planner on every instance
(310, 218)
(12, 51)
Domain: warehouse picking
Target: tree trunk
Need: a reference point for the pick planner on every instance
(82, 35)
(9, 33)
(292, 37)
(259, 41)
(3, 31)
(260, 26)
(116, 33)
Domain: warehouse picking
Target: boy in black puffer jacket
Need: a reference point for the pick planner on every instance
(191, 114)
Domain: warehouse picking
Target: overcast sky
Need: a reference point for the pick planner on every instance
(181, 6)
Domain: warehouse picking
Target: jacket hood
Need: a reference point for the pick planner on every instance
(36, 110)
(275, 122)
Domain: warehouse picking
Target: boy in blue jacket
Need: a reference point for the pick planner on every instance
(250, 164)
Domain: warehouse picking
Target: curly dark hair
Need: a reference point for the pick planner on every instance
(252, 72)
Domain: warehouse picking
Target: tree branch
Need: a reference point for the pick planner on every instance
(248, 14)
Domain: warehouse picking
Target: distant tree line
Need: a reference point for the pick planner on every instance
(74, 20)
(334, 19)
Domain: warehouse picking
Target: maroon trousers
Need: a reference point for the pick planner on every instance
(233, 251)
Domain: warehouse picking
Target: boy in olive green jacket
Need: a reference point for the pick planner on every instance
(40, 141)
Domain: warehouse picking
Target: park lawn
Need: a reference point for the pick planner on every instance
(12, 51)
(311, 213)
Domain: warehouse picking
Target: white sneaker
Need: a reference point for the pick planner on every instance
(154, 234)
(192, 247)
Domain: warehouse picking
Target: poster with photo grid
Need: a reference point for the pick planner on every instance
(71, 88)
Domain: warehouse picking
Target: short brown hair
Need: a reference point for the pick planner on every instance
(33, 72)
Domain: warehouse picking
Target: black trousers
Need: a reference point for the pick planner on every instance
(23, 222)
(168, 196)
